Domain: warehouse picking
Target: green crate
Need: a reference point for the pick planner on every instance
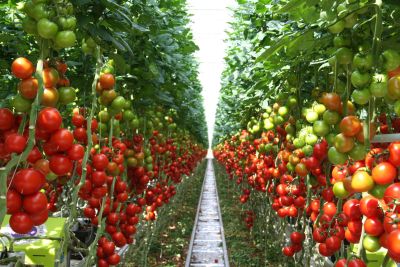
(42, 252)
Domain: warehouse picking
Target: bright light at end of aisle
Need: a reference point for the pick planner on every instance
(210, 21)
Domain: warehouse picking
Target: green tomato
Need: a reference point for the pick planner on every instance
(378, 86)
(311, 116)
(361, 97)
(321, 128)
(344, 56)
(278, 119)
(391, 59)
(363, 62)
(319, 108)
(118, 103)
(378, 191)
(66, 95)
(311, 139)
(20, 104)
(307, 150)
(128, 115)
(360, 80)
(47, 29)
(104, 116)
(135, 123)
(65, 39)
(299, 142)
(338, 27)
(292, 102)
(330, 138)
(290, 167)
(371, 243)
(290, 129)
(339, 190)
(335, 157)
(37, 12)
(331, 117)
(358, 152)
(396, 107)
(350, 21)
(340, 41)
(283, 111)
(103, 128)
(268, 124)
(29, 25)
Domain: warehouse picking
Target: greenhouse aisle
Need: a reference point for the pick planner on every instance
(207, 245)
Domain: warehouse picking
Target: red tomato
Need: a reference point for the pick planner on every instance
(60, 165)
(6, 119)
(393, 243)
(35, 203)
(333, 243)
(49, 119)
(14, 201)
(100, 162)
(369, 206)
(351, 209)
(34, 155)
(392, 194)
(356, 263)
(39, 218)
(22, 68)
(108, 248)
(63, 139)
(329, 209)
(373, 227)
(28, 181)
(288, 251)
(21, 223)
(76, 152)
(15, 143)
(78, 120)
(394, 153)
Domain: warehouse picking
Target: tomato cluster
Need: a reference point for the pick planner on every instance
(123, 174)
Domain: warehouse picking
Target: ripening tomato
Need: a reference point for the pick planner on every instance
(28, 88)
(50, 77)
(384, 173)
(22, 68)
(50, 97)
(350, 126)
(107, 81)
(332, 101)
(362, 181)
(373, 157)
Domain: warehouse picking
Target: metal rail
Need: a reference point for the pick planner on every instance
(207, 245)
